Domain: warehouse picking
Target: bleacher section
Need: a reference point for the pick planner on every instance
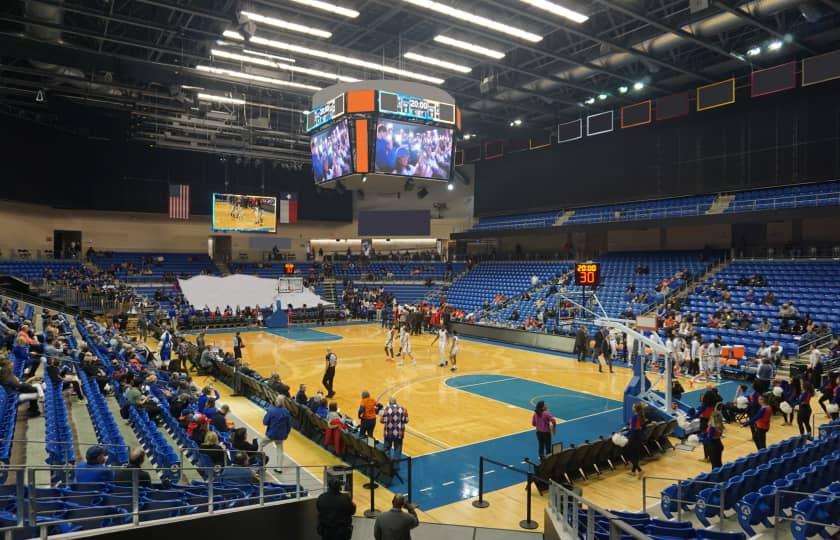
(33, 270)
(807, 196)
(154, 266)
(537, 220)
(783, 198)
(813, 286)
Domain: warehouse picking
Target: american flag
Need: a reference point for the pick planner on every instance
(179, 201)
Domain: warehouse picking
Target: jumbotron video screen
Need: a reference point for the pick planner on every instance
(244, 213)
(332, 156)
(417, 150)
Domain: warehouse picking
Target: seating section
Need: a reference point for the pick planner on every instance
(33, 270)
(357, 270)
(537, 220)
(657, 529)
(813, 286)
(404, 293)
(274, 269)
(642, 211)
(138, 267)
(807, 196)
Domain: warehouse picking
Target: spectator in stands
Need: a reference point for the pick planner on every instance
(394, 418)
(239, 472)
(219, 420)
(207, 392)
(775, 353)
(764, 375)
(26, 391)
(300, 397)
(211, 448)
(277, 422)
(124, 475)
(64, 377)
(769, 299)
(93, 469)
(278, 386)
(368, 408)
(787, 311)
(764, 326)
(134, 397)
(335, 512)
(207, 363)
(760, 423)
(239, 441)
(394, 524)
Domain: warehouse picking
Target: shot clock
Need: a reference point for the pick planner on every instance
(587, 274)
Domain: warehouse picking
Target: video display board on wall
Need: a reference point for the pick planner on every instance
(244, 213)
(332, 155)
(410, 149)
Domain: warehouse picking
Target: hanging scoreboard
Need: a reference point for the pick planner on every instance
(416, 107)
(323, 114)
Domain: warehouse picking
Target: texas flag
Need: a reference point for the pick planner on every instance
(287, 208)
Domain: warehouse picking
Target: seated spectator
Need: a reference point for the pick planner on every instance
(206, 393)
(93, 469)
(239, 472)
(124, 475)
(64, 376)
(219, 420)
(213, 450)
(764, 327)
(240, 442)
(769, 299)
(26, 391)
(278, 386)
(300, 397)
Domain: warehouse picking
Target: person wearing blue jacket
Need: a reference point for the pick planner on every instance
(93, 469)
(278, 424)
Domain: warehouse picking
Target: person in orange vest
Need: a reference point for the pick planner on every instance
(760, 423)
(368, 408)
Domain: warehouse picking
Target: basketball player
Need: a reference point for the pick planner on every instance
(389, 345)
(258, 213)
(441, 341)
(405, 345)
(453, 350)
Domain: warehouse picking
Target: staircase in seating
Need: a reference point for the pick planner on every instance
(563, 218)
(720, 205)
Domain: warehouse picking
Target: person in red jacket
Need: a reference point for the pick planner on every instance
(711, 437)
(760, 423)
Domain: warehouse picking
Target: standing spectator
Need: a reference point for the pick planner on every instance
(763, 375)
(760, 423)
(329, 372)
(815, 367)
(545, 423)
(277, 422)
(394, 524)
(395, 417)
(634, 445)
(335, 513)
(367, 414)
(238, 345)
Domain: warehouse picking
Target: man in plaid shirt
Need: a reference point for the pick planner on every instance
(395, 417)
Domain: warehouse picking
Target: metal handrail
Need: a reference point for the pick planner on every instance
(564, 507)
(679, 500)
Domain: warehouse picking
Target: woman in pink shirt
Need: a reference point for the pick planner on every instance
(544, 422)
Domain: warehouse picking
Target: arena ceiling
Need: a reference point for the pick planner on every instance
(232, 77)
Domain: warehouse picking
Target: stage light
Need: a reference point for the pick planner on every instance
(286, 25)
(555, 9)
(638, 85)
(450, 186)
(754, 51)
(517, 122)
(341, 59)
(472, 47)
(775, 45)
(231, 34)
(256, 78)
(590, 101)
(477, 20)
(364, 179)
(285, 67)
(221, 99)
(602, 97)
(272, 56)
(437, 62)
(327, 6)
(623, 89)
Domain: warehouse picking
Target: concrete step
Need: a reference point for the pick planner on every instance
(563, 218)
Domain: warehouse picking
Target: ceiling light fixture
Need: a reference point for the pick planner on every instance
(754, 51)
(256, 78)
(590, 101)
(775, 45)
(477, 20)
(221, 99)
(517, 122)
(602, 97)
(638, 85)
(285, 67)
(340, 58)
(472, 47)
(551, 7)
(272, 56)
(232, 34)
(623, 89)
(327, 6)
(437, 62)
(286, 25)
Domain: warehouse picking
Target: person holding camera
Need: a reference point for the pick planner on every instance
(396, 524)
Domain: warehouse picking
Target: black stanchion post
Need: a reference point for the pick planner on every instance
(528, 523)
(481, 503)
(371, 512)
(410, 472)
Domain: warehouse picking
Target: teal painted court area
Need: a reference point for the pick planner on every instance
(562, 402)
(303, 334)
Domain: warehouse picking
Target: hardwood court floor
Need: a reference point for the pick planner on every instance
(248, 221)
(443, 417)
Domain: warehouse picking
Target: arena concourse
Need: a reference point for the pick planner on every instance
(468, 269)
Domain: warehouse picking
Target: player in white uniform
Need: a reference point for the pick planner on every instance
(454, 340)
(258, 213)
(405, 345)
(389, 345)
(441, 341)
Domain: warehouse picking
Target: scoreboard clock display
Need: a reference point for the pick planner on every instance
(323, 114)
(587, 274)
(289, 268)
(416, 107)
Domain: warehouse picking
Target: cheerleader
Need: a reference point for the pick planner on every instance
(712, 437)
(803, 415)
(634, 445)
(389, 345)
